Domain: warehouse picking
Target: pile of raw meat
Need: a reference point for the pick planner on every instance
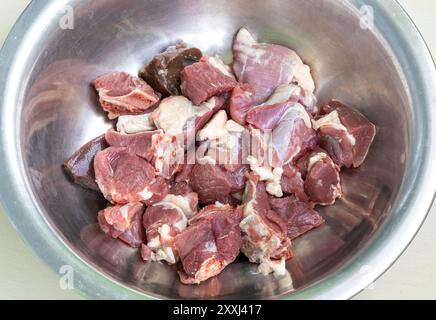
(209, 160)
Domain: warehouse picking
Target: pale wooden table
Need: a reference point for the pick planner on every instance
(25, 276)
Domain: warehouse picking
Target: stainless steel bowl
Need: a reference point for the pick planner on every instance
(48, 110)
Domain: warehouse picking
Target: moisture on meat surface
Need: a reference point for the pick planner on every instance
(80, 166)
(123, 222)
(163, 72)
(210, 243)
(124, 177)
(121, 93)
(344, 133)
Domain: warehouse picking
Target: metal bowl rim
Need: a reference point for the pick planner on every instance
(26, 217)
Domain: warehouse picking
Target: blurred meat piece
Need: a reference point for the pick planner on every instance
(207, 78)
(295, 93)
(264, 239)
(80, 166)
(266, 66)
(163, 72)
(214, 183)
(124, 222)
(290, 128)
(135, 123)
(293, 183)
(210, 243)
(121, 93)
(321, 174)
(241, 101)
(298, 216)
(175, 115)
(344, 133)
(164, 220)
(137, 143)
(124, 177)
(168, 154)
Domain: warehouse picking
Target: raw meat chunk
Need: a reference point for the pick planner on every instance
(137, 143)
(207, 78)
(210, 243)
(293, 183)
(80, 166)
(124, 177)
(124, 222)
(321, 174)
(264, 239)
(293, 92)
(177, 114)
(168, 154)
(344, 133)
(135, 123)
(164, 220)
(271, 176)
(163, 72)
(266, 66)
(298, 216)
(121, 93)
(215, 183)
(222, 142)
(290, 129)
(241, 101)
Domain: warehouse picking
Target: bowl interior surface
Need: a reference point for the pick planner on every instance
(60, 112)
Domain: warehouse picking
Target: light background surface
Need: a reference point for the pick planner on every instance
(24, 276)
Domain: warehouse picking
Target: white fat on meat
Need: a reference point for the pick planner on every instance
(219, 127)
(210, 267)
(332, 120)
(272, 176)
(162, 252)
(167, 151)
(215, 128)
(283, 93)
(245, 45)
(130, 124)
(303, 78)
(217, 63)
(182, 203)
(276, 267)
(260, 241)
(274, 187)
(297, 112)
(146, 194)
(315, 158)
(174, 113)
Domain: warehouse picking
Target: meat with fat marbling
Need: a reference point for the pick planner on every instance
(210, 243)
(344, 133)
(124, 177)
(121, 93)
(207, 78)
(266, 66)
(123, 222)
(299, 216)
